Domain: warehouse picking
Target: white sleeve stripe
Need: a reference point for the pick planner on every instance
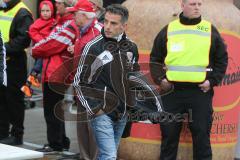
(136, 79)
(5, 67)
(4, 63)
(69, 33)
(82, 59)
(83, 101)
(53, 34)
(63, 40)
(98, 26)
(77, 76)
(79, 71)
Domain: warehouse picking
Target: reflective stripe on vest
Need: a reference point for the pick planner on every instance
(189, 69)
(6, 19)
(188, 49)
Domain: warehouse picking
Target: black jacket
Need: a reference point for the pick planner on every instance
(101, 78)
(3, 76)
(108, 77)
(218, 54)
(19, 38)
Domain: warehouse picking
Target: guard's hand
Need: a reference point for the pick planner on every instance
(205, 86)
(71, 49)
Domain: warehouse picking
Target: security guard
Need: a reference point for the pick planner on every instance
(15, 19)
(195, 58)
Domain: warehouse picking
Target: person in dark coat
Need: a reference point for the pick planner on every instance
(195, 58)
(16, 40)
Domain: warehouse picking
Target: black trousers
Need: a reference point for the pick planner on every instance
(55, 125)
(198, 105)
(12, 99)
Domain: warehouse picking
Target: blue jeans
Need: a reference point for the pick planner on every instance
(38, 66)
(108, 134)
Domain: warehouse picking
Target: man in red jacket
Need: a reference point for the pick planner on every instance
(89, 28)
(54, 52)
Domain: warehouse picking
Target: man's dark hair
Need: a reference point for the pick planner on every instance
(119, 10)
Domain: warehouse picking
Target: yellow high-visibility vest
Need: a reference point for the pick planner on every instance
(6, 19)
(188, 48)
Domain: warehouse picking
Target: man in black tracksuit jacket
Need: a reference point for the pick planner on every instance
(188, 97)
(107, 67)
(101, 83)
(107, 73)
(108, 76)
(12, 99)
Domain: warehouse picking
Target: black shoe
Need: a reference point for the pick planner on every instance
(12, 140)
(48, 150)
(70, 156)
(3, 137)
(66, 144)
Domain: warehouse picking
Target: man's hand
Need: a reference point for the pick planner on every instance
(205, 86)
(165, 85)
(71, 49)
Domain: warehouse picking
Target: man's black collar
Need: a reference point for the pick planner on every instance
(124, 37)
(187, 21)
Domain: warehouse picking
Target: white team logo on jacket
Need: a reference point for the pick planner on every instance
(129, 56)
(129, 59)
(105, 57)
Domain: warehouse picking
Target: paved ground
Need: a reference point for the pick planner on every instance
(35, 130)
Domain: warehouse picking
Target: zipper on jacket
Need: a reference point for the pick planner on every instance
(125, 107)
(104, 97)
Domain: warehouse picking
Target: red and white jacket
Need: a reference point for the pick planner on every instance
(53, 49)
(90, 33)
